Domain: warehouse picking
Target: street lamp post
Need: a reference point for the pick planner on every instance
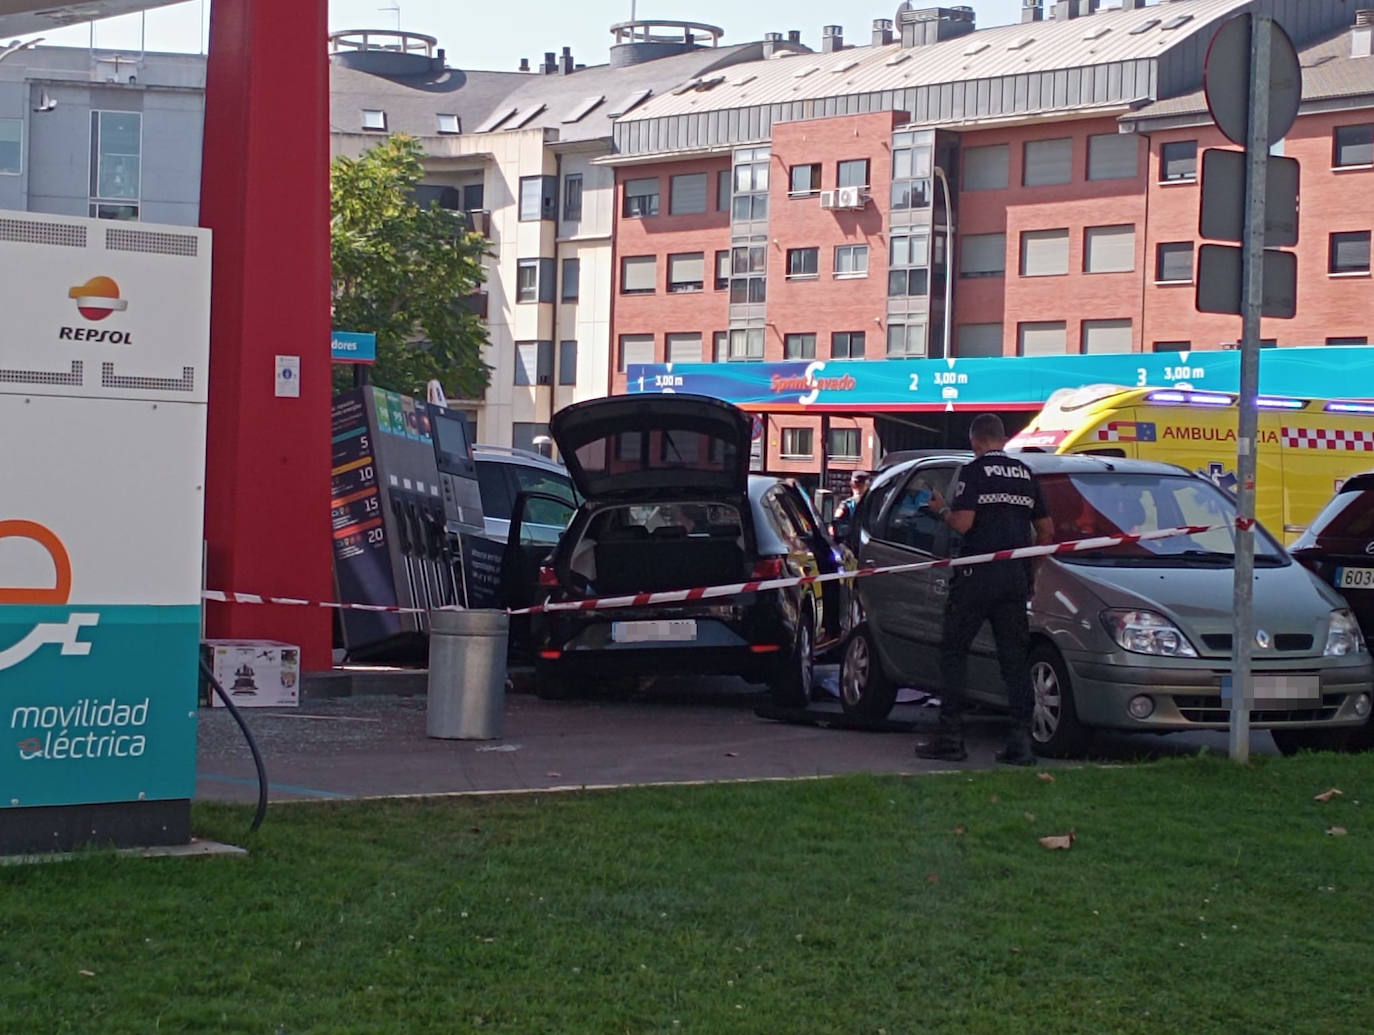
(949, 257)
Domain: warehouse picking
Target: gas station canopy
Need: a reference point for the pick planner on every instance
(18, 17)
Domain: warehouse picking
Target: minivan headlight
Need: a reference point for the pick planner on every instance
(1145, 632)
(1343, 635)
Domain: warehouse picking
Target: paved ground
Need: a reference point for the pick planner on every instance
(673, 730)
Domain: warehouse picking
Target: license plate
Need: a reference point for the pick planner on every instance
(1287, 688)
(665, 631)
(1355, 578)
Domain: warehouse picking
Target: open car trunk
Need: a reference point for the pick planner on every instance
(656, 547)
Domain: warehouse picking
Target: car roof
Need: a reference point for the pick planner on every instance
(1060, 463)
(518, 457)
(1359, 483)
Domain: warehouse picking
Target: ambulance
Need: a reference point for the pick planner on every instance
(1307, 447)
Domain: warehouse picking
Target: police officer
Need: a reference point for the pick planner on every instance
(996, 506)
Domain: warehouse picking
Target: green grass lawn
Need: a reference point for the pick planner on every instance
(1198, 897)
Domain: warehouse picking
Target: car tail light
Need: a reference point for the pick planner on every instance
(548, 578)
(767, 568)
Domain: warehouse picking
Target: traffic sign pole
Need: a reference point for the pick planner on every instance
(1252, 303)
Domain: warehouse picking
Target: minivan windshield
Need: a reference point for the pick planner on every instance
(1088, 505)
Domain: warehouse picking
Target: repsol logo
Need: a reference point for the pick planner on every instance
(91, 334)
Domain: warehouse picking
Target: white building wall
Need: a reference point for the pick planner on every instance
(588, 320)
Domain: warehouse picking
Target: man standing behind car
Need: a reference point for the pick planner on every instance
(997, 506)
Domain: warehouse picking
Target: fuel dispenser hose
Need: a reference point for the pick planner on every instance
(252, 745)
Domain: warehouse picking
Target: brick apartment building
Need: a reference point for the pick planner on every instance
(798, 207)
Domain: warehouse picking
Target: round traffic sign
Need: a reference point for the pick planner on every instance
(1226, 81)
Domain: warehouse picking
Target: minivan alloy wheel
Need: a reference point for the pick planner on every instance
(1049, 700)
(855, 671)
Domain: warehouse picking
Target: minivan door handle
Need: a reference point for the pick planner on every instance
(941, 587)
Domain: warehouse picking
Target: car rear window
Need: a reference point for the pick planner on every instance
(627, 452)
(1349, 516)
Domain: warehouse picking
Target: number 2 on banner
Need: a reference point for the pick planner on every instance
(915, 383)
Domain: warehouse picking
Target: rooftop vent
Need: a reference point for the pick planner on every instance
(1032, 11)
(1362, 38)
(921, 26)
(649, 39)
(882, 32)
(832, 38)
(386, 52)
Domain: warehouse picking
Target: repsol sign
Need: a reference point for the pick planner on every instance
(91, 334)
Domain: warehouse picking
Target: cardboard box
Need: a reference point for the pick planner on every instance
(254, 673)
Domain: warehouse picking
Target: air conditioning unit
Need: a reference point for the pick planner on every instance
(851, 197)
(829, 199)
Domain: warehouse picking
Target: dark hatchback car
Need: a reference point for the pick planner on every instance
(669, 504)
(1338, 547)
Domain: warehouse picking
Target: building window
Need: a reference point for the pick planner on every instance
(1113, 156)
(799, 346)
(1109, 249)
(847, 345)
(374, 120)
(1352, 146)
(116, 152)
(1048, 162)
(750, 196)
(527, 280)
(1349, 252)
(567, 362)
(687, 194)
(449, 123)
(523, 434)
(686, 272)
(723, 190)
(1174, 262)
(744, 345)
(1044, 253)
(908, 265)
(572, 197)
(11, 147)
(844, 444)
(748, 268)
(1348, 341)
(1178, 161)
(474, 195)
(683, 348)
(796, 443)
(983, 255)
(985, 168)
(852, 173)
(804, 180)
(851, 260)
(1041, 339)
(635, 348)
(906, 340)
(638, 274)
(722, 271)
(1107, 336)
(911, 171)
(641, 198)
(533, 362)
(979, 339)
(803, 263)
(538, 198)
(572, 276)
(1171, 346)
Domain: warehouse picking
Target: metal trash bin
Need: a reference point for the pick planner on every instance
(467, 674)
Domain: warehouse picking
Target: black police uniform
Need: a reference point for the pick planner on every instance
(1005, 500)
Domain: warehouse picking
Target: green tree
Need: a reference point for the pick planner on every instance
(401, 270)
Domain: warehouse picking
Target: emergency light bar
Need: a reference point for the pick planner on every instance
(1190, 398)
(1339, 407)
(1268, 402)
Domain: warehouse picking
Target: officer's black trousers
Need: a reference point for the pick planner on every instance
(995, 593)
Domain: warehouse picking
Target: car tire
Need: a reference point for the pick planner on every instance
(791, 684)
(1290, 742)
(552, 684)
(865, 689)
(1055, 728)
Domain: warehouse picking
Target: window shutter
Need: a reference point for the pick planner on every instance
(641, 188)
(567, 362)
(1048, 162)
(983, 254)
(1175, 262)
(635, 348)
(1044, 253)
(985, 168)
(1043, 339)
(1107, 336)
(687, 268)
(1110, 249)
(979, 339)
(1354, 145)
(688, 194)
(638, 273)
(684, 348)
(1113, 156)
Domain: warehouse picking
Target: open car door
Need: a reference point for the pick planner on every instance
(537, 521)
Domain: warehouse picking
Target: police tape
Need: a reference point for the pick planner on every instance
(691, 596)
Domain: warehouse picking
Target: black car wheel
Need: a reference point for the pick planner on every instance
(791, 685)
(553, 684)
(1290, 742)
(1054, 721)
(864, 687)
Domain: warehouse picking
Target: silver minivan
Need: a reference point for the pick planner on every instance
(1134, 637)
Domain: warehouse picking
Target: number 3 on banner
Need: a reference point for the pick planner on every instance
(1141, 377)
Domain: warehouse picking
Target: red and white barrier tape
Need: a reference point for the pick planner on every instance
(680, 596)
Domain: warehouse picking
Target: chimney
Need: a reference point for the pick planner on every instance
(794, 37)
(524, 64)
(925, 25)
(1132, 5)
(567, 61)
(550, 62)
(1033, 11)
(882, 32)
(771, 41)
(1066, 9)
(832, 38)
(441, 58)
(1362, 38)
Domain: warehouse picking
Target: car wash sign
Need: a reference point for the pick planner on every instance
(1006, 383)
(103, 381)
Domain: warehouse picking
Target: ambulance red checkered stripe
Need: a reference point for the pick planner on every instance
(1347, 439)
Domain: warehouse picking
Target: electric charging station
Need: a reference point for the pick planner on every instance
(103, 391)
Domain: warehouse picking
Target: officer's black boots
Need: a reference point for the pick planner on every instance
(948, 743)
(1018, 750)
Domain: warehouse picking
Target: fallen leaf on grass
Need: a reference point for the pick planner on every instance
(1337, 831)
(932, 878)
(1327, 795)
(1044, 777)
(86, 973)
(1030, 816)
(1057, 842)
(992, 798)
(960, 830)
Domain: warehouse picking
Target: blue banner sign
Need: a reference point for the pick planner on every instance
(353, 347)
(1006, 383)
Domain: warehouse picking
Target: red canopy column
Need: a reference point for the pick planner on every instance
(265, 194)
